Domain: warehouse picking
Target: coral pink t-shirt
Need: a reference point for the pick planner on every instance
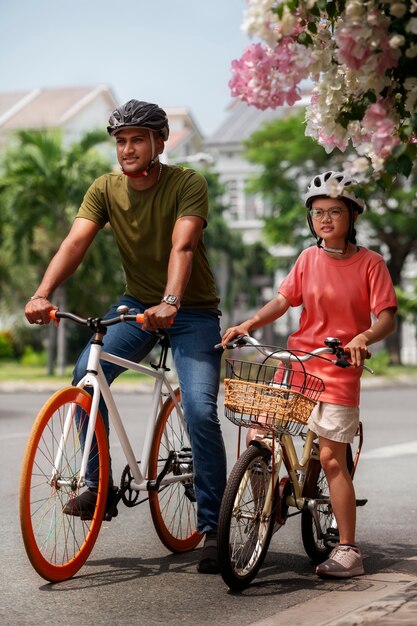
(338, 297)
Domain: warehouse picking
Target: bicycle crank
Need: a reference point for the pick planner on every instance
(129, 496)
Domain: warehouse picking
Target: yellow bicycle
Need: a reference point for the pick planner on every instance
(275, 398)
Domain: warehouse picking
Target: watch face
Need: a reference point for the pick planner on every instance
(170, 299)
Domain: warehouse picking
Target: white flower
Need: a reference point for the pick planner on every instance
(396, 41)
(398, 9)
(411, 52)
(355, 11)
(411, 27)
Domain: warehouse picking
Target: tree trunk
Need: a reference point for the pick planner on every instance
(395, 264)
(393, 344)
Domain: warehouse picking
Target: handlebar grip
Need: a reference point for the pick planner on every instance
(367, 356)
(140, 318)
(53, 315)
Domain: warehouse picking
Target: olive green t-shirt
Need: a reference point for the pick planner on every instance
(143, 222)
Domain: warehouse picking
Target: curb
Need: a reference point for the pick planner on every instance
(383, 599)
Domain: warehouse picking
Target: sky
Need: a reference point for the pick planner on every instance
(172, 52)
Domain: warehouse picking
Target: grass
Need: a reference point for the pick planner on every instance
(14, 371)
(395, 371)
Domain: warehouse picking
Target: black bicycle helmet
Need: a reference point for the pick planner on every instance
(136, 113)
(334, 185)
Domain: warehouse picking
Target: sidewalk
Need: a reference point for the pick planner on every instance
(385, 599)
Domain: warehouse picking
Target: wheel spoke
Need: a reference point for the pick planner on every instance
(173, 512)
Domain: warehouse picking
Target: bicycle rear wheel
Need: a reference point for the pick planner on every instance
(244, 533)
(58, 544)
(173, 506)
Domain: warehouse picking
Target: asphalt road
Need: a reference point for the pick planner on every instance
(131, 579)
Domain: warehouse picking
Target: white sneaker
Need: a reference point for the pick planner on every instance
(343, 562)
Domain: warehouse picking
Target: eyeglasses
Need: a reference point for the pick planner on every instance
(335, 213)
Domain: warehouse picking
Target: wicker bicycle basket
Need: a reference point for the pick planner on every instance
(268, 397)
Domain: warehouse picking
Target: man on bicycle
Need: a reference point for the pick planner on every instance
(157, 213)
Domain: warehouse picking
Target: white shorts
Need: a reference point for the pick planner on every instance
(334, 421)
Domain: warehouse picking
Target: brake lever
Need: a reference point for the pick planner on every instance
(342, 361)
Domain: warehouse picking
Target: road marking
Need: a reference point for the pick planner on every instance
(386, 452)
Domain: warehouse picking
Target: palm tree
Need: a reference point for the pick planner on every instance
(41, 187)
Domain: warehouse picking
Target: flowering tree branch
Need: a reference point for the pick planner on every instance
(360, 56)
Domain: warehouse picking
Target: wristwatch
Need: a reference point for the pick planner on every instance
(171, 299)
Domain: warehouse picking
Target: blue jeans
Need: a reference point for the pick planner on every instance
(193, 336)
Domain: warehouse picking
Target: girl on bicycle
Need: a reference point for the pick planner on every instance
(346, 292)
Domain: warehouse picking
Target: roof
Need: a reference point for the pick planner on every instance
(243, 120)
(47, 108)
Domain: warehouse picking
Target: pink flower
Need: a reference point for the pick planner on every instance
(353, 50)
(379, 127)
(329, 142)
(359, 44)
(268, 78)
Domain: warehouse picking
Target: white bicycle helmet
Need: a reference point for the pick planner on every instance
(334, 185)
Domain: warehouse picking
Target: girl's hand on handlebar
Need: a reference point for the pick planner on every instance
(233, 332)
(358, 351)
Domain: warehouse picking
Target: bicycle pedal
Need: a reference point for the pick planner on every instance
(190, 493)
(331, 538)
(113, 498)
(108, 515)
(361, 502)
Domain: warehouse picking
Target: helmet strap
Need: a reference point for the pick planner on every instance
(142, 173)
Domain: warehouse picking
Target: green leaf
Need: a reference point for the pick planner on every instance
(404, 165)
(304, 39)
(331, 9)
(398, 150)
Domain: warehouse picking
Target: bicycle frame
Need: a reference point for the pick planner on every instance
(96, 379)
(283, 451)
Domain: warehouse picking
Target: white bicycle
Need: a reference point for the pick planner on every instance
(69, 433)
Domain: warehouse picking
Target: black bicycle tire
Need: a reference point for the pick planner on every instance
(235, 581)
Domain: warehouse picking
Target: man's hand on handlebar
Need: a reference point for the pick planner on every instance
(37, 310)
(160, 316)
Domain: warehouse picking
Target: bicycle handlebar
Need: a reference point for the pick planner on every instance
(92, 321)
(333, 346)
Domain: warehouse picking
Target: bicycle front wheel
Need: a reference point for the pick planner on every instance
(56, 543)
(244, 530)
(173, 506)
